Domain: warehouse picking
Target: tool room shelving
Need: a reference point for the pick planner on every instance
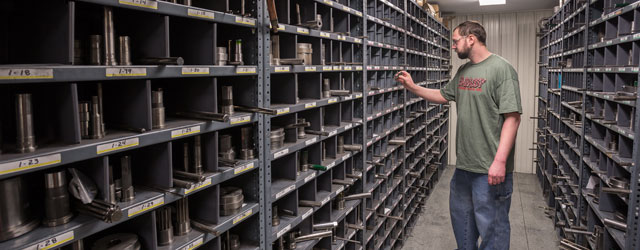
(368, 132)
(586, 154)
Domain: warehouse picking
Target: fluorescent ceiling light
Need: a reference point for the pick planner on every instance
(492, 2)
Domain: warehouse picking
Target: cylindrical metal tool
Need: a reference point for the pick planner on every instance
(326, 88)
(56, 202)
(226, 148)
(125, 52)
(323, 226)
(85, 118)
(305, 52)
(164, 226)
(275, 49)
(223, 57)
(96, 118)
(16, 211)
(290, 239)
(24, 124)
(128, 193)
(616, 224)
(324, 152)
(120, 241)
(304, 161)
(231, 200)
(308, 203)
(196, 167)
(100, 209)
(183, 223)
(246, 143)
(358, 196)
(340, 149)
(188, 176)
(314, 236)
(157, 112)
(323, 55)
(277, 138)
(95, 55)
(275, 219)
(339, 201)
(182, 184)
(352, 147)
(162, 61)
(227, 100)
(111, 198)
(237, 56)
(109, 38)
(301, 133)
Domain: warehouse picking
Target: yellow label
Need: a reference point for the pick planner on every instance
(141, 3)
(25, 164)
(201, 14)
(242, 216)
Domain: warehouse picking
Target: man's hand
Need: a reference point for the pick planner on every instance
(497, 172)
(405, 78)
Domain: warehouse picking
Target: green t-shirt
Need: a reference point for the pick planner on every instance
(482, 92)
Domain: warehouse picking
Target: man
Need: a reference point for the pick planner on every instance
(487, 96)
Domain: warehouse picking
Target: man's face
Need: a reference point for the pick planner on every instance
(460, 45)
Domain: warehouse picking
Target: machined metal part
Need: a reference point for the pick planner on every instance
(17, 213)
(56, 203)
(265, 111)
(275, 49)
(622, 226)
(183, 223)
(340, 149)
(314, 236)
(314, 24)
(246, 143)
(619, 182)
(275, 219)
(101, 210)
(339, 92)
(182, 184)
(298, 15)
(301, 133)
(119, 241)
(354, 226)
(349, 240)
(391, 217)
(128, 193)
(25, 142)
(188, 176)
(78, 52)
(323, 55)
(226, 148)
(85, 118)
(223, 57)
(352, 147)
(109, 55)
(237, 56)
(326, 88)
(358, 196)
(316, 132)
(308, 203)
(204, 115)
(397, 142)
(324, 226)
(186, 2)
(196, 167)
(304, 161)
(162, 61)
(112, 187)
(324, 152)
(203, 226)
(291, 61)
(96, 119)
(305, 52)
(227, 100)
(95, 55)
(125, 51)
(616, 190)
(290, 239)
(339, 201)
(277, 138)
(157, 112)
(164, 227)
(343, 182)
(231, 200)
(186, 157)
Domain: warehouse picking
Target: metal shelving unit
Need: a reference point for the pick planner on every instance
(587, 118)
(368, 135)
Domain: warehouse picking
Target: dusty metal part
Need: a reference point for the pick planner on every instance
(125, 50)
(305, 52)
(17, 215)
(128, 193)
(24, 124)
(227, 100)
(326, 88)
(95, 55)
(226, 148)
(109, 55)
(275, 219)
(182, 184)
(231, 200)
(246, 143)
(157, 106)
(164, 226)
(277, 138)
(340, 149)
(183, 223)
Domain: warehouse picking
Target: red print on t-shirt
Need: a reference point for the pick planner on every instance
(472, 84)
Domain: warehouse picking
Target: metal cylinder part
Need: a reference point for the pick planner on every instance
(358, 196)
(275, 219)
(95, 57)
(352, 147)
(223, 57)
(186, 2)
(226, 148)
(196, 167)
(314, 236)
(112, 187)
(109, 55)
(301, 133)
(233, 240)
(290, 239)
(340, 202)
(327, 225)
(186, 159)
(619, 182)
(16, 211)
(120, 241)
(96, 118)
(340, 149)
(277, 138)
(164, 226)
(128, 193)
(326, 88)
(183, 223)
(24, 124)
(231, 200)
(162, 60)
(157, 105)
(78, 54)
(237, 56)
(622, 226)
(305, 52)
(124, 49)
(324, 152)
(227, 100)
(323, 55)
(182, 184)
(188, 176)
(304, 161)
(57, 209)
(275, 49)
(246, 143)
(85, 118)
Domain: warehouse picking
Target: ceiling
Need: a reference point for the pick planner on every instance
(455, 7)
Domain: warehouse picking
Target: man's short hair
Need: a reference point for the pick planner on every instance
(472, 28)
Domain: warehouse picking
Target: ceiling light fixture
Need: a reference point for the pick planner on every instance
(492, 2)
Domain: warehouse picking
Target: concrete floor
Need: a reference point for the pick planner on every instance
(530, 228)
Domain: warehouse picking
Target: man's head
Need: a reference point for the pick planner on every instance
(467, 35)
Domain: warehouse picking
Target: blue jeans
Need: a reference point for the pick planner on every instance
(480, 210)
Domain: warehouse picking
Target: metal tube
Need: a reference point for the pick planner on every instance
(182, 184)
(352, 147)
(162, 61)
(358, 196)
(340, 149)
(197, 156)
(164, 226)
(95, 57)
(308, 203)
(57, 206)
(85, 118)
(246, 143)
(183, 225)
(237, 57)
(24, 124)
(157, 104)
(327, 225)
(188, 176)
(125, 52)
(128, 193)
(616, 224)
(204, 116)
(227, 100)
(326, 88)
(314, 236)
(109, 38)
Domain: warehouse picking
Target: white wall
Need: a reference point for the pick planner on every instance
(512, 36)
